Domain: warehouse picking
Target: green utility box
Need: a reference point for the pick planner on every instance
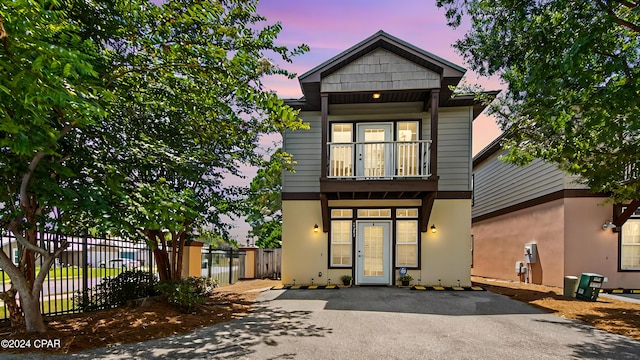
(589, 286)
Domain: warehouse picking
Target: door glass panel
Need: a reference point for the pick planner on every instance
(374, 153)
(373, 257)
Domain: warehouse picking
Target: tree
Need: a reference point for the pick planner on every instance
(264, 202)
(49, 90)
(573, 88)
(126, 114)
(191, 110)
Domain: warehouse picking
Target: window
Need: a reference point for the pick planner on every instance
(341, 150)
(341, 243)
(408, 148)
(341, 213)
(630, 245)
(407, 243)
(16, 256)
(374, 213)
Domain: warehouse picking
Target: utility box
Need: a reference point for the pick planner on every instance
(531, 253)
(570, 286)
(520, 268)
(589, 286)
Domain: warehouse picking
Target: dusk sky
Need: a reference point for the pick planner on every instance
(332, 26)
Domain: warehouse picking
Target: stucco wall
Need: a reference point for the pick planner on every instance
(446, 255)
(591, 249)
(304, 252)
(499, 243)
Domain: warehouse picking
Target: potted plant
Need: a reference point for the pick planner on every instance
(346, 279)
(405, 279)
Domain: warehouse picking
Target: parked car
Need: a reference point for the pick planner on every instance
(120, 263)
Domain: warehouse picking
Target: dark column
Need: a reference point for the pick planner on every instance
(435, 101)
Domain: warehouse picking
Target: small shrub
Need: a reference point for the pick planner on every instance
(186, 293)
(113, 292)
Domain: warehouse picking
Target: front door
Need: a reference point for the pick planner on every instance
(374, 151)
(373, 261)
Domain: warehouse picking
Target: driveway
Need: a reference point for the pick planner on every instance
(385, 323)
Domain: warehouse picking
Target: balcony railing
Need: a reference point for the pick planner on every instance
(631, 172)
(379, 160)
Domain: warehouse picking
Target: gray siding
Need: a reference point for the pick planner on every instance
(380, 70)
(454, 152)
(454, 149)
(306, 150)
(498, 184)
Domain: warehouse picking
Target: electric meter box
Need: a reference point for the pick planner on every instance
(530, 253)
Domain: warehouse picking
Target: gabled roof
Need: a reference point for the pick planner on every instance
(450, 73)
(390, 43)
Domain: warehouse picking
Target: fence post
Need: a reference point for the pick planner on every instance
(230, 266)
(150, 263)
(209, 259)
(85, 270)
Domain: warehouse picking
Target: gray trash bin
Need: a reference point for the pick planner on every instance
(570, 286)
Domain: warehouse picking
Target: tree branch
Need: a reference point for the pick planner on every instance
(616, 18)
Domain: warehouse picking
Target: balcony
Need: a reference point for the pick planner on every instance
(379, 160)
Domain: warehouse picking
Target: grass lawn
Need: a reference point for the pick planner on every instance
(49, 307)
(75, 271)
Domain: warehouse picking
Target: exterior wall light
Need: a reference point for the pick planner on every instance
(376, 96)
(608, 225)
(315, 228)
(433, 228)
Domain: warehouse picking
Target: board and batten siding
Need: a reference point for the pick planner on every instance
(305, 147)
(498, 184)
(454, 152)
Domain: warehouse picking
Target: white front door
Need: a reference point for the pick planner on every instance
(373, 260)
(374, 151)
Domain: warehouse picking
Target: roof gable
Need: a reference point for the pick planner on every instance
(390, 43)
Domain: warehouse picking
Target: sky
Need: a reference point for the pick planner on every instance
(329, 27)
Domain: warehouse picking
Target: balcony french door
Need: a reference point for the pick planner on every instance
(373, 156)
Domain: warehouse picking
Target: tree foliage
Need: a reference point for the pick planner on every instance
(572, 70)
(124, 116)
(264, 203)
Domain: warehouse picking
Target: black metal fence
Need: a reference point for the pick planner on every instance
(85, 263)
(224, 266)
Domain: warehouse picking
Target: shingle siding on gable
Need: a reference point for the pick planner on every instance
(380, 70)
(499, 184)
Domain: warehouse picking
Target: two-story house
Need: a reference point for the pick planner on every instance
(538, 224)
(383, 177)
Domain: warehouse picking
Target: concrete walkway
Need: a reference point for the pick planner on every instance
(383, 323)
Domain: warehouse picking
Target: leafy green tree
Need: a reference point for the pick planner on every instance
(49, 90)
(572, 70)
(191, 109)
(264, 202)
(126, 113)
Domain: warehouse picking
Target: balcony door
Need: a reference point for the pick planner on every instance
(374, 151)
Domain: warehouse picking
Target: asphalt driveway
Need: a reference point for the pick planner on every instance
(385, 323)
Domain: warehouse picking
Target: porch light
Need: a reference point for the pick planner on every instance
(376, 96)
(315, 228)
(433, 228)
(608, 225)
